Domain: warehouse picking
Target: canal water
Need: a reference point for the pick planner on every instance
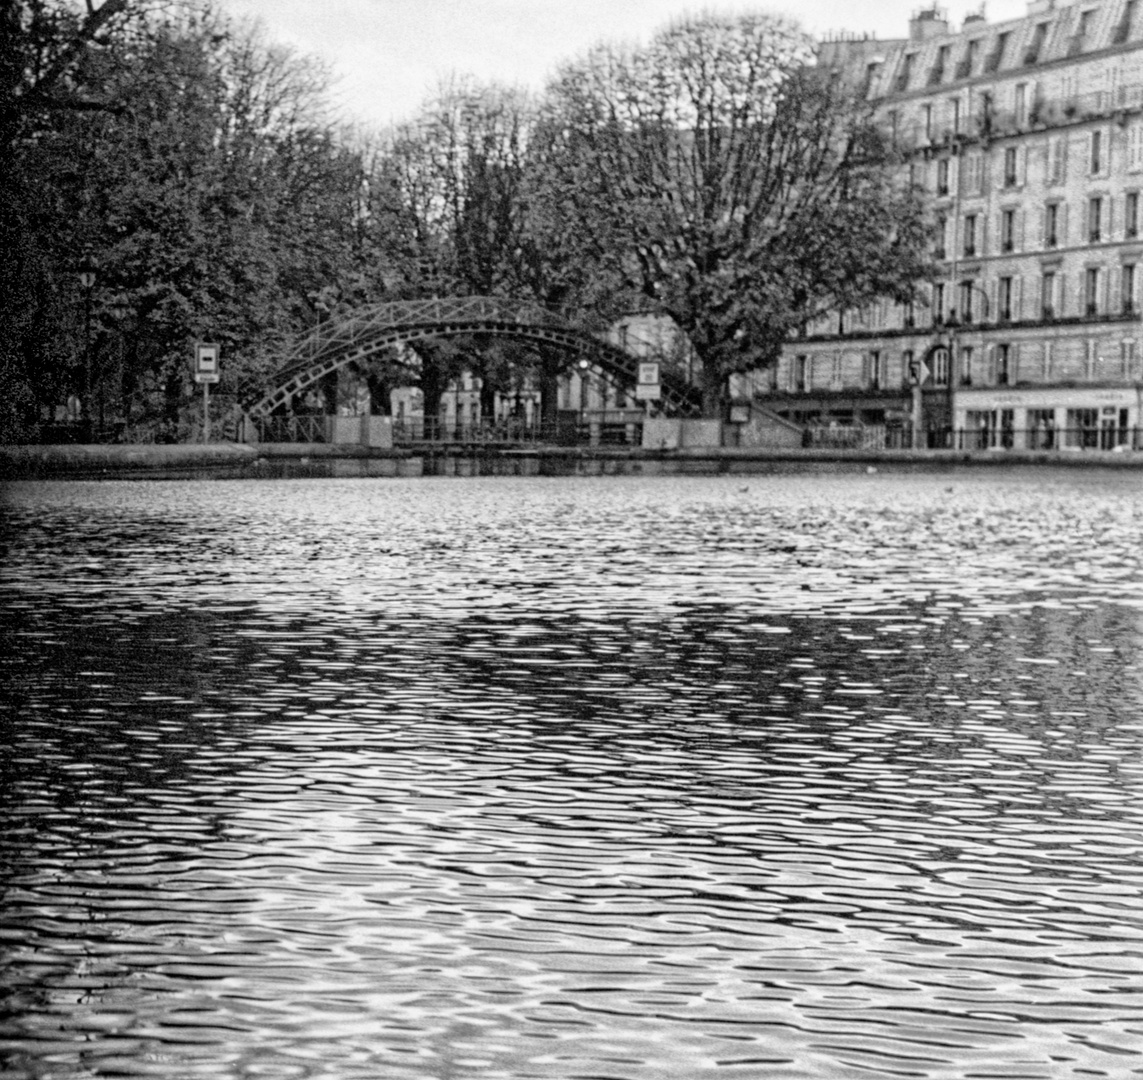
(614, 778)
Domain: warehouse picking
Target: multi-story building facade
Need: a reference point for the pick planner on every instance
(1027, 137)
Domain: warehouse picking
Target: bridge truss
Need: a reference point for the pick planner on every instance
(370, 330)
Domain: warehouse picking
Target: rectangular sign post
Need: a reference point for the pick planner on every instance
(206, 372)
(648, 388)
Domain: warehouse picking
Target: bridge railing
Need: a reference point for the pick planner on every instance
(291, 429)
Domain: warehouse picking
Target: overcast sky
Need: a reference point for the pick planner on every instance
(387, 55)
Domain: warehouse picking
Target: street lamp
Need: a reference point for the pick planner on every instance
(118, 308)
(87, 276)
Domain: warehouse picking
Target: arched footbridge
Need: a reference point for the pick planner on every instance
(372, 329)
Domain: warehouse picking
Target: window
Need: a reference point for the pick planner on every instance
(1010, 175)
(906, 72)
(941, 366)
(1007, 230)
(927, 119)
(907, 367)
(1127, 288)
(943, 176)
(940, 251)
(1135, 146)
(1048, 294)
(1020, 104)
(954, 115)
(1039, 36)
(1003, 365)
(937, 73)
(873, 366)
(1123, 30)
(801, 371)
(1091, 291)
(968, 65)
(973, 174)
(1096, 152)
(1131, 215)
(965, 301)
(970, 234)
(996, 57)
(1004, 299)
(1058, 160)
(966, 365)
(1127, 358)
(1095, 219)
(1052, 225)
(939, 302)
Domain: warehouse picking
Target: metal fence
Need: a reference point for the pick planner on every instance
(878, 437)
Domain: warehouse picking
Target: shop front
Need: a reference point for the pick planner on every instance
(1048, 418)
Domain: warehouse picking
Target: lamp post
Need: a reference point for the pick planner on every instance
(584, 389)
(87, 276)
(119, 308)
(954, 323)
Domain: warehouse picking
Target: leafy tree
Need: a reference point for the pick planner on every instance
(744, 190)
(200, 167)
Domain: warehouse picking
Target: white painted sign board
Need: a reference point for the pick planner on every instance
(648, 389)
(206, 362)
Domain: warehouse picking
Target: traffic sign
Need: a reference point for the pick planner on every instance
(206, 360)
(648, 388)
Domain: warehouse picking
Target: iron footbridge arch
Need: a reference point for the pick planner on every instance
(370, 330)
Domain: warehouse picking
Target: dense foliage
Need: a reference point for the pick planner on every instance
(716, 174)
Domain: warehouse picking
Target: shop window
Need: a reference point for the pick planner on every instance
(1041, 429)
(1081, 429)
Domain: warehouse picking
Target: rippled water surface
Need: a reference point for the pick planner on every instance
(611, 778)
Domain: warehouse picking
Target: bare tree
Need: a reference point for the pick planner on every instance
(723, 175)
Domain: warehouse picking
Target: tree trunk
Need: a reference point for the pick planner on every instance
(712, 383)
(549, 389)
(328, 384)
(380, 402)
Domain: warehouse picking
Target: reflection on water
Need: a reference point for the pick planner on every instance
(609, 778)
